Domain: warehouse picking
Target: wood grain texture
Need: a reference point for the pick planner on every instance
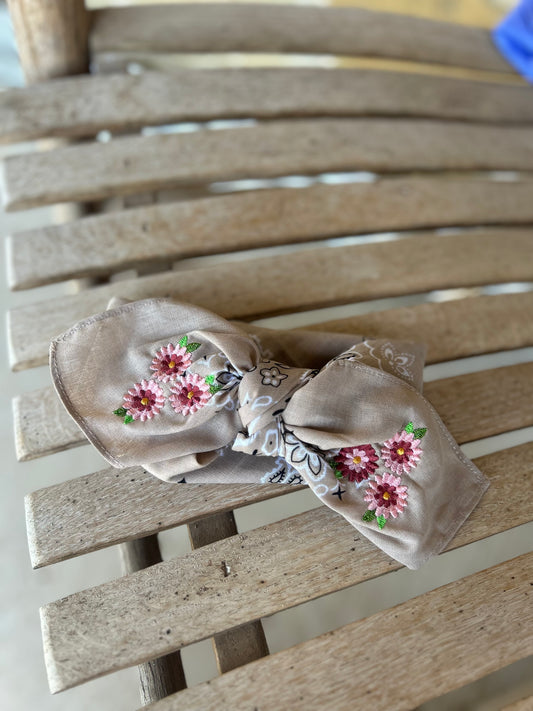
(82, 106)
(52, 37)
(450, 329)
(156, 234)
(455, 635)
(123, 622)
(89, 513)
(243, 644)
(303, 30)
(274, 285)
(135, 164)
(522, 705)
(96, 510)
(165, 675)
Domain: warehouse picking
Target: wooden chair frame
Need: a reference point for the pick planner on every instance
(308, 122)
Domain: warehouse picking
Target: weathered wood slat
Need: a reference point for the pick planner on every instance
(143, 163)
(90, 512)
(52, 37)
(342, 669)
(270, 285)
(163, 676)
(522, 705)
(99, 498)
(83, 106)
(451, 329)
(175, 603)
(103, 244)
(243, 644)
(307, 30)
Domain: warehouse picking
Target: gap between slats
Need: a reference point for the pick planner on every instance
(470, 406)
(476, 626)
(303, 30)
(175, 603)
(146, 163)
(103, 244)
(270, 285)
(83, 106)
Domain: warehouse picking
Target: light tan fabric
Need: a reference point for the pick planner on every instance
(214, 402)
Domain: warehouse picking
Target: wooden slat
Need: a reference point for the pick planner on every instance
(180, 601)
(83, 106)
(163, 676)
(243, 644)
(441, 650)
(522, 705)
(144, 163)
(89, 512)
(103, 244)
(271, 285)
(307, 30)
(96, 500)
(52, 37)
(450, 330)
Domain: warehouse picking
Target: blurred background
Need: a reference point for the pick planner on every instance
(23, 684)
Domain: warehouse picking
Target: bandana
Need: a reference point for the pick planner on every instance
(193, 398)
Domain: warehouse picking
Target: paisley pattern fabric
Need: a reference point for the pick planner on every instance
(201, 400)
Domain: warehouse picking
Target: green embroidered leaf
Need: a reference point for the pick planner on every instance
(339, 474)
(381, 520)
(210, 379)
(409, 427)
(183, 342)
(369, 515)
(120, 412)
(214, 389)
(128, 419)
(420, 432)
(192, 347)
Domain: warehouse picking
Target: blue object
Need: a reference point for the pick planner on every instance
(514, 38)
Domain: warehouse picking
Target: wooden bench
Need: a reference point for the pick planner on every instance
(158, 206)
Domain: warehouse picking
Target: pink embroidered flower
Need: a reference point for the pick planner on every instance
(144, 400)
(170, 362)
(401, 453)
(189, 394)
(385, 495)
(357, 463)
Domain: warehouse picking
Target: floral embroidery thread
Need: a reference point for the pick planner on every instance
(356, 463)
(386, 496)
(170, 362)
(189, 393)
(142, 402)
(401, 453)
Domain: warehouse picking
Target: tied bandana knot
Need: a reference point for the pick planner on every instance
(264, 392)
(195, 399)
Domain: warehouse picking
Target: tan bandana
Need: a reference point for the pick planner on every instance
(194, 398)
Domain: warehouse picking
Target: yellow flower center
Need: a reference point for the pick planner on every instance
(172, 364)
(386, 496)
(190, 394)
(400, 451)
(356, 460)
(145, 401)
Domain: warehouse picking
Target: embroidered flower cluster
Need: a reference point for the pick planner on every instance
(188, 392)
(385, 495)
